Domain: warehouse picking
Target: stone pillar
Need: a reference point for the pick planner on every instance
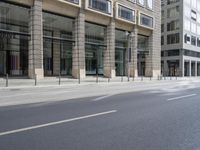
(35, 59)
(196, 69)
(153, 60)
(134, 60)
(190, 68)
(78, 53)
(56, 54)
(109, 53)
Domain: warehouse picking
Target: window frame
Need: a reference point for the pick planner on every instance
(99, 12)
(119, 18)
(139, 20)
(71, 3)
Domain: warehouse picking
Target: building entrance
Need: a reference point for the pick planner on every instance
(120, 61)
(94, 59)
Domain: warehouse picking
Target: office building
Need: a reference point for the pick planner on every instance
(79, 38)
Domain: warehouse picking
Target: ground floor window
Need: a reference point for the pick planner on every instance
(14, 55)
(121, 43)
(14, 38)
(58, 33)
(95, 46)
(94, 59)
(120, 61)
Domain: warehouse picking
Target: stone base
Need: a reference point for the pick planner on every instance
(134, 73)
(109, 73)
(38, 73)
(75, 73)
(152, 73)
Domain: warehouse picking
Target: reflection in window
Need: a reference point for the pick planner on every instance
(146, 20)
(101, 5)
(126, 13)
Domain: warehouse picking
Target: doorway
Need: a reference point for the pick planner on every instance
(94, 59)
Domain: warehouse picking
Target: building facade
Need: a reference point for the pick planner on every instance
(180, 38)
(80, 37)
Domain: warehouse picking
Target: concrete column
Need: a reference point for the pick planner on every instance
(134, 44)
(182, 67)
(109, 53)
(190, 68)
(153, 61)
(35, 66)
(78, 53)
(56, 54)
(196, 69)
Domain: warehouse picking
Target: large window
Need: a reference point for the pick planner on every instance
(146, 20)
(126, 13)
(173, 38)
(58, 43)
(120, 52)
(95, 45)
(173, 25)
(143, 43)
(14, 37)
(104, 6)
(193, 40)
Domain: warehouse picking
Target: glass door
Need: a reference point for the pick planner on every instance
(94, 59)
(66, 58)
(2, 62)
(120, 61)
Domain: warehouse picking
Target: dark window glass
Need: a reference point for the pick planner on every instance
(101, 5)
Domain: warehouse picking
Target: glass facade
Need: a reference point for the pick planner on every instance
(58, 43)
(94, 48)
(13, 39)
(120, 52)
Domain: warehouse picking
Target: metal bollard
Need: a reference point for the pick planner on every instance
(150, 78)
(97, 78)
(6, 80)
(35, 80)
(121, 78)
(141, 78)
(108, 80)
(170, 77)
(59, 79)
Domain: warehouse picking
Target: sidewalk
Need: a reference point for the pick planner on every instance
(64, 81)
(45, 93)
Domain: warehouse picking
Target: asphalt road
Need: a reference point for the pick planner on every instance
(148, 120)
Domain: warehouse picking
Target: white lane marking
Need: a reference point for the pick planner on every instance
(55, 123)
(102, 97)
(38, 93)
(181, 97)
